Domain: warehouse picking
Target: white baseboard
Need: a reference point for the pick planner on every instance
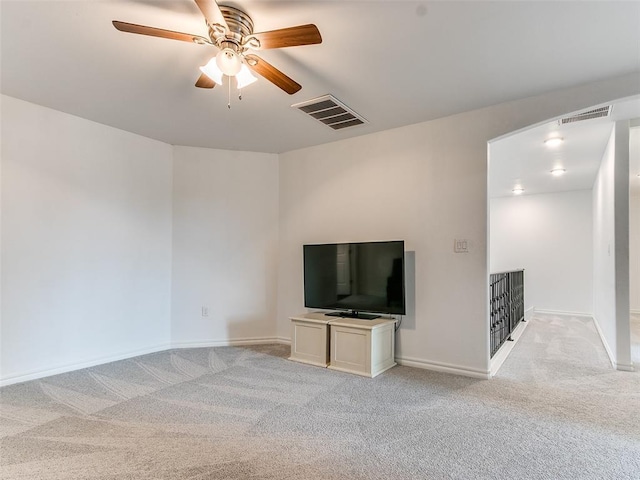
(505, 349)
(528, 313)
(410, 362)
(36, 374)
(625, 368)
(612, 359)
(443, 367)
(563, 313)
(635, 312)
(236, 342)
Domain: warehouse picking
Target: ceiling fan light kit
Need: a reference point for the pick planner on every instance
(244, 77)
(229, 62)
(231, 31)
(212, 71)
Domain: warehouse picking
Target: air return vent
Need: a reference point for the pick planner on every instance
(588, 115)
(330, 111)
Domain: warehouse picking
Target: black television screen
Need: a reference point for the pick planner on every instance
(356, 277)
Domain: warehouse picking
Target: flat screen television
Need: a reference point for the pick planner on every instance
(355, 277)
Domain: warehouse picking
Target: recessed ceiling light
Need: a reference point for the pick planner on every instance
(553, 141)
(518, 190)
(556, 172)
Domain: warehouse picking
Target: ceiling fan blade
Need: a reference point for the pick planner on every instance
(205, 82)
(159, 32)
(212, 13)
(289, 37)
(272, 74)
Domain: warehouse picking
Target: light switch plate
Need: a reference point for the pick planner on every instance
(461, 245)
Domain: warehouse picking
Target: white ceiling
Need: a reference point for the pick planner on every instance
(524, 159)
(393, 62)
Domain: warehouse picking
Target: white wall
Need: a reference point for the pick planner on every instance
(86, 237)
(610, 247)
(634, 252)
(426, 184)
(550, 236)
(225, 241)
(86, 241)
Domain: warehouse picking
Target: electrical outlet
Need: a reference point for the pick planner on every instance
(205, 311)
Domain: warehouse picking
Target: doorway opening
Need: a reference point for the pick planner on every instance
(554, 204)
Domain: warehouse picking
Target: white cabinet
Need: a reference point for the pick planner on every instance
(310, 339)
(363, 347)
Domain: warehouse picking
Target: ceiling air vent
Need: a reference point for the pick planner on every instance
(588, 115)
(330, 111)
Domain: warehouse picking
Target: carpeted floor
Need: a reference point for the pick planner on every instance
(556, 410)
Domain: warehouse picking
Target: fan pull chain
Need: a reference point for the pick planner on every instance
(239, 94)
(229, 102)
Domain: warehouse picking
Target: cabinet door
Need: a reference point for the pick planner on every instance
(351, 350)
(309, 343)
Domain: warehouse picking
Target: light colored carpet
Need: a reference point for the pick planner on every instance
(556, 410)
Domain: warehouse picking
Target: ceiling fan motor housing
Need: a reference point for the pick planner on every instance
(240, 26)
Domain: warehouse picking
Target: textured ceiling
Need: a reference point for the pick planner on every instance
(394, 62)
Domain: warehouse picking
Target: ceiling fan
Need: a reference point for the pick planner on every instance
(231, 31)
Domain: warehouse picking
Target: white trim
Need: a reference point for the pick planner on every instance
(635, 312)
(407, 361)
(443, 367)
(227, 343)
(563, 313)
(528, 313)
(623, 367)
(36, 374)
(505, 349)
(605, 343)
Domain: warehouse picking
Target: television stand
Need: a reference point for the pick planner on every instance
(353, 314)
(363, 347)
